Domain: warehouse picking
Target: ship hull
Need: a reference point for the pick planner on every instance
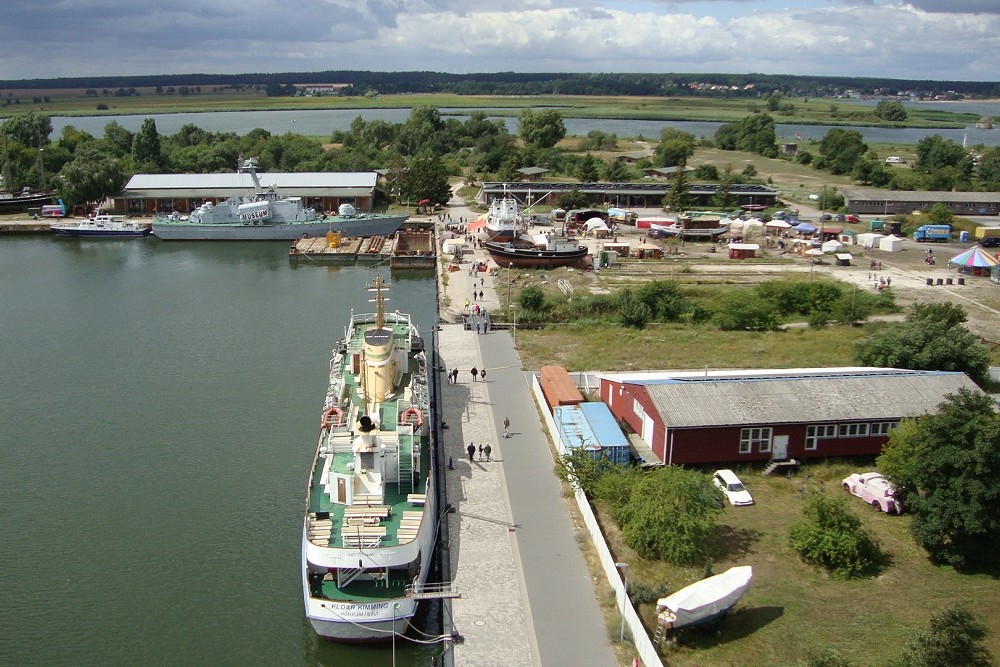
(23, 202)
(529, 258)
(375, 225)
(99, 234)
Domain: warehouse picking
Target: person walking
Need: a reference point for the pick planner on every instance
(480, 451)
(506, 427)
(482, 375)
(487, 450)
(475, 374)
(472, 450)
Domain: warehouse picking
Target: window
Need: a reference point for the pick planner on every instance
(882, 428)
(852, 430)
(637, 409)
(817, 431)
(761, 437)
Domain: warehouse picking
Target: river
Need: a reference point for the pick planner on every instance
(324, 122)
(160, 406)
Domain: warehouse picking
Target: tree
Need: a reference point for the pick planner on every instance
(616, 172)
(118, 139)
(675, 147)
(944, 467)
(931, 338)
(890, 110)
(678, 198)
(935, 152)
(669, 513)
(989, 169)
(953, 638)
(91, 176)
(840, 150)
(631, 311)
(146, 151)
(427, 178)
(531, 299)
(543, 129)
(31, 129)
(831, 536)
(939, 214)
(723, 197)
(587, 171)
(741, 310)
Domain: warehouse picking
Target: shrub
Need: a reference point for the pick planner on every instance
(830, 535)
(953, 639)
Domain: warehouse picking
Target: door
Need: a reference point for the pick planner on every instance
(647, 429)
(341, 490)
(779, 447)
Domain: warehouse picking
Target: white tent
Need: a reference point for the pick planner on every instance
(596, 224)
(891, 243)
(832, 246)
(869, 240)
(450, 245)
(777, 224)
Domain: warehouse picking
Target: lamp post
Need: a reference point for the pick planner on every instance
(510, 266)
(624, 567)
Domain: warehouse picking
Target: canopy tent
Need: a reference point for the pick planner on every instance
(777, 224)
(477, 224)
(832, 246)
(813, 252)
(869, 239)
(891, 243)
(596, 224)
(974, 257)
(805, 228)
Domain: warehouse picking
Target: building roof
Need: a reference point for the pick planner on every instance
(924, 197)
(306, 184)
(499, 189)
(736, 398)
(532, 171)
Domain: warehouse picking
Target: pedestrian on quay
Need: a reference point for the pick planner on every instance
(506, 427)
(482, 375)
(454, 379)
(480, 294)
(480, 451)
(472, 451)
(475, 374)
(487, 450)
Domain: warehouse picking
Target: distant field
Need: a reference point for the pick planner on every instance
(805, 111)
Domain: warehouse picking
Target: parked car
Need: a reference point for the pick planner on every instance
(852, 218)
(874, 489)
(826, 217)
(732, 487)
(990, 242)
(840, 217)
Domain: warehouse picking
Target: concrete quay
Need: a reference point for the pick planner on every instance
(527, 596)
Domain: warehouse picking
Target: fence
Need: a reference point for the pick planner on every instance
(643, 644)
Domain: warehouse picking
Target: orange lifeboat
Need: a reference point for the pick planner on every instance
(411, 412)
(330, 414)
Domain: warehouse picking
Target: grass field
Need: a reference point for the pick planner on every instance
(72, 102)
(794, 610)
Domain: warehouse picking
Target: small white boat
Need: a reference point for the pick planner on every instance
(704, 601)
(102, 226)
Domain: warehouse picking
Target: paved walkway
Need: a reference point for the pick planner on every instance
(527, 597)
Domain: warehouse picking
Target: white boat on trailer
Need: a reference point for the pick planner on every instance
(704, 601)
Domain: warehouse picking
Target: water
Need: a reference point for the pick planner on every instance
(160, 404)
(326, 121)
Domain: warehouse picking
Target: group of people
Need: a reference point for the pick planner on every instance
(477, 375)
(484, 450)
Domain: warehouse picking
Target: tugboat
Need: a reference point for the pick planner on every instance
(553, 250)
(102, 226)
(370, 518)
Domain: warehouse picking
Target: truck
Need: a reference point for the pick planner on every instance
(932, 233)
(984, 232)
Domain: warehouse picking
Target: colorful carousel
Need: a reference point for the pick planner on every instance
(974, 262)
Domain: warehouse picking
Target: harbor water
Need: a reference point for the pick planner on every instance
(160, 405)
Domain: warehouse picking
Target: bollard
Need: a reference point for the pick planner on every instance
(947, 281)
(940, 281)
(961, 281)
(930, 281)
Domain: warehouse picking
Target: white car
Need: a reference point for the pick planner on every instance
(875, 490)
(731, 485)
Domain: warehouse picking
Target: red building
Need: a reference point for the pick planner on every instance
(763, 415)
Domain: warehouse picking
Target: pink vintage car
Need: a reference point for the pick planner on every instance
(875, 490)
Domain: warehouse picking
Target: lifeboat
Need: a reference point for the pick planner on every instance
(411, 412)
(333, 416)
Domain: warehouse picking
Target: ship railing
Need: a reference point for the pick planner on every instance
(432, 590)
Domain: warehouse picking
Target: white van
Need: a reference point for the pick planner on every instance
(732, 487)
(895, 159)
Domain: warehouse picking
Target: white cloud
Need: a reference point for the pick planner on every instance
(921, 39)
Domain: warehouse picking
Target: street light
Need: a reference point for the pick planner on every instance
(623, 566)
(509, 267)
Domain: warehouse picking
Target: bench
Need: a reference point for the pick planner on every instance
(416, 499)
(361, 520)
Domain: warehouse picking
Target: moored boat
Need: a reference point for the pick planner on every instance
(551, 250)
(503, 221)
(693, 227)
(704, 601)
(370, 518)
(102, 226)
(265, 215)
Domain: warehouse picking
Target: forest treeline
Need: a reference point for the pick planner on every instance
(537, 83)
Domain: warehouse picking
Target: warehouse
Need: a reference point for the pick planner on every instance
(886, 202)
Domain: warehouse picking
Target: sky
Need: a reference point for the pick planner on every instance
(919, 39)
